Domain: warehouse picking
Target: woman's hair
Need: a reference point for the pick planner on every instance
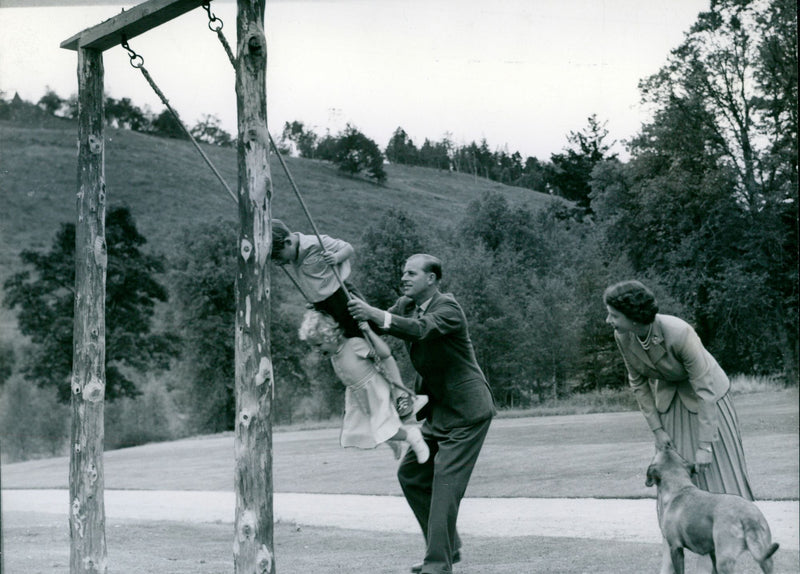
(319, 328)
(633, 300)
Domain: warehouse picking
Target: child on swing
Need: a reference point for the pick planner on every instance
(370, 417)
(311, 266)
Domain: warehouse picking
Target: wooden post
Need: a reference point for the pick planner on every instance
(2, 556)
(86, 479)
(253, 549)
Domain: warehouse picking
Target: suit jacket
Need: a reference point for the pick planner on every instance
(442, 354)
(676, 364)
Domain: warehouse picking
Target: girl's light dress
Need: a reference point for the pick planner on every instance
(369, 414)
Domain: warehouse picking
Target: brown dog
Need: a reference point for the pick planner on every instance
(722, 525)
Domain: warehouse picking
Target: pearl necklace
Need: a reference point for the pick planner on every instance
(646, 342)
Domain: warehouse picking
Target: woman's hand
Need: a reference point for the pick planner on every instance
(703, 456)
(663, 440)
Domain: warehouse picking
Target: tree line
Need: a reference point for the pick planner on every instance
(566, 174)
(119, 113)
(705, 212)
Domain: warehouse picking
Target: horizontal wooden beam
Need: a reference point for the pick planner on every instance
(129, 23)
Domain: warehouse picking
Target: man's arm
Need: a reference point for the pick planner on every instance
(362, 311)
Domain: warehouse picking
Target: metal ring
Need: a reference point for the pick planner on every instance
(137, 61)
(211, 24)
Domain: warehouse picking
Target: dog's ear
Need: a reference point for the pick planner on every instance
(653, 476)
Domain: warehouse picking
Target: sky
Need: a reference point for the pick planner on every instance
(522, 74)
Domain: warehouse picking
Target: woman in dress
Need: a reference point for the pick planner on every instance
(682, 391)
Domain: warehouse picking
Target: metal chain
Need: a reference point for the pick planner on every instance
(138, 62)
(212, 25)
(212, 19)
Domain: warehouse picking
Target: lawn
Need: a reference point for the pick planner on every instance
(575, 456)
(592, 455)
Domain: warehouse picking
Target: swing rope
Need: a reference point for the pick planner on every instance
(217, 28)
(216, 24)
(138, 62)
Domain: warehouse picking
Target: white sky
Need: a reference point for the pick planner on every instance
(520, 73)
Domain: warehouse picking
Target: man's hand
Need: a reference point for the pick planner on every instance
(361, 311)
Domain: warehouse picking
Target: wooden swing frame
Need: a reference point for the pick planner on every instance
(253, 547)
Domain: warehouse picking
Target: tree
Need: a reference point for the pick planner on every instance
(208, 130)
(401, 149)
(166, 125)
(708, 202)
(737, 63)
(44, 292)
(124, 114)
(434, 154)
(202, 280)
(8, 360)
(355, 153)
(327, 147)
(50, 102)
(304, 140)
(572, 170)
(387, 243)
(534, 176)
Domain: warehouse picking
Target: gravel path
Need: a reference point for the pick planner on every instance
(603, 519)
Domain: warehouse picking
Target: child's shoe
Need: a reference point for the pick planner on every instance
(417, 404)
(417, 442)
(404, 405)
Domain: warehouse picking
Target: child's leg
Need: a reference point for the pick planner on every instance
(413, 436)
(403, 401)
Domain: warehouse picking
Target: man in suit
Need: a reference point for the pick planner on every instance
(459, 410)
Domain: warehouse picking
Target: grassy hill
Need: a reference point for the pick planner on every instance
(167, 186)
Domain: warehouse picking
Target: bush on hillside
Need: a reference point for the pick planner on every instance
(32, 422)
(355, 153)
(8, 360)
(150, 417)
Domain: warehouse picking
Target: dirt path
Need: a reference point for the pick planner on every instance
(602, 519)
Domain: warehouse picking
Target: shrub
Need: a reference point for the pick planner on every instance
(32, 422)
(150, 417)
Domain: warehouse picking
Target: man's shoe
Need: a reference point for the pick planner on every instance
(417, 568)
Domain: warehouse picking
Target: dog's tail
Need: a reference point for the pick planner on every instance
(770, 551)
(758, 542)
